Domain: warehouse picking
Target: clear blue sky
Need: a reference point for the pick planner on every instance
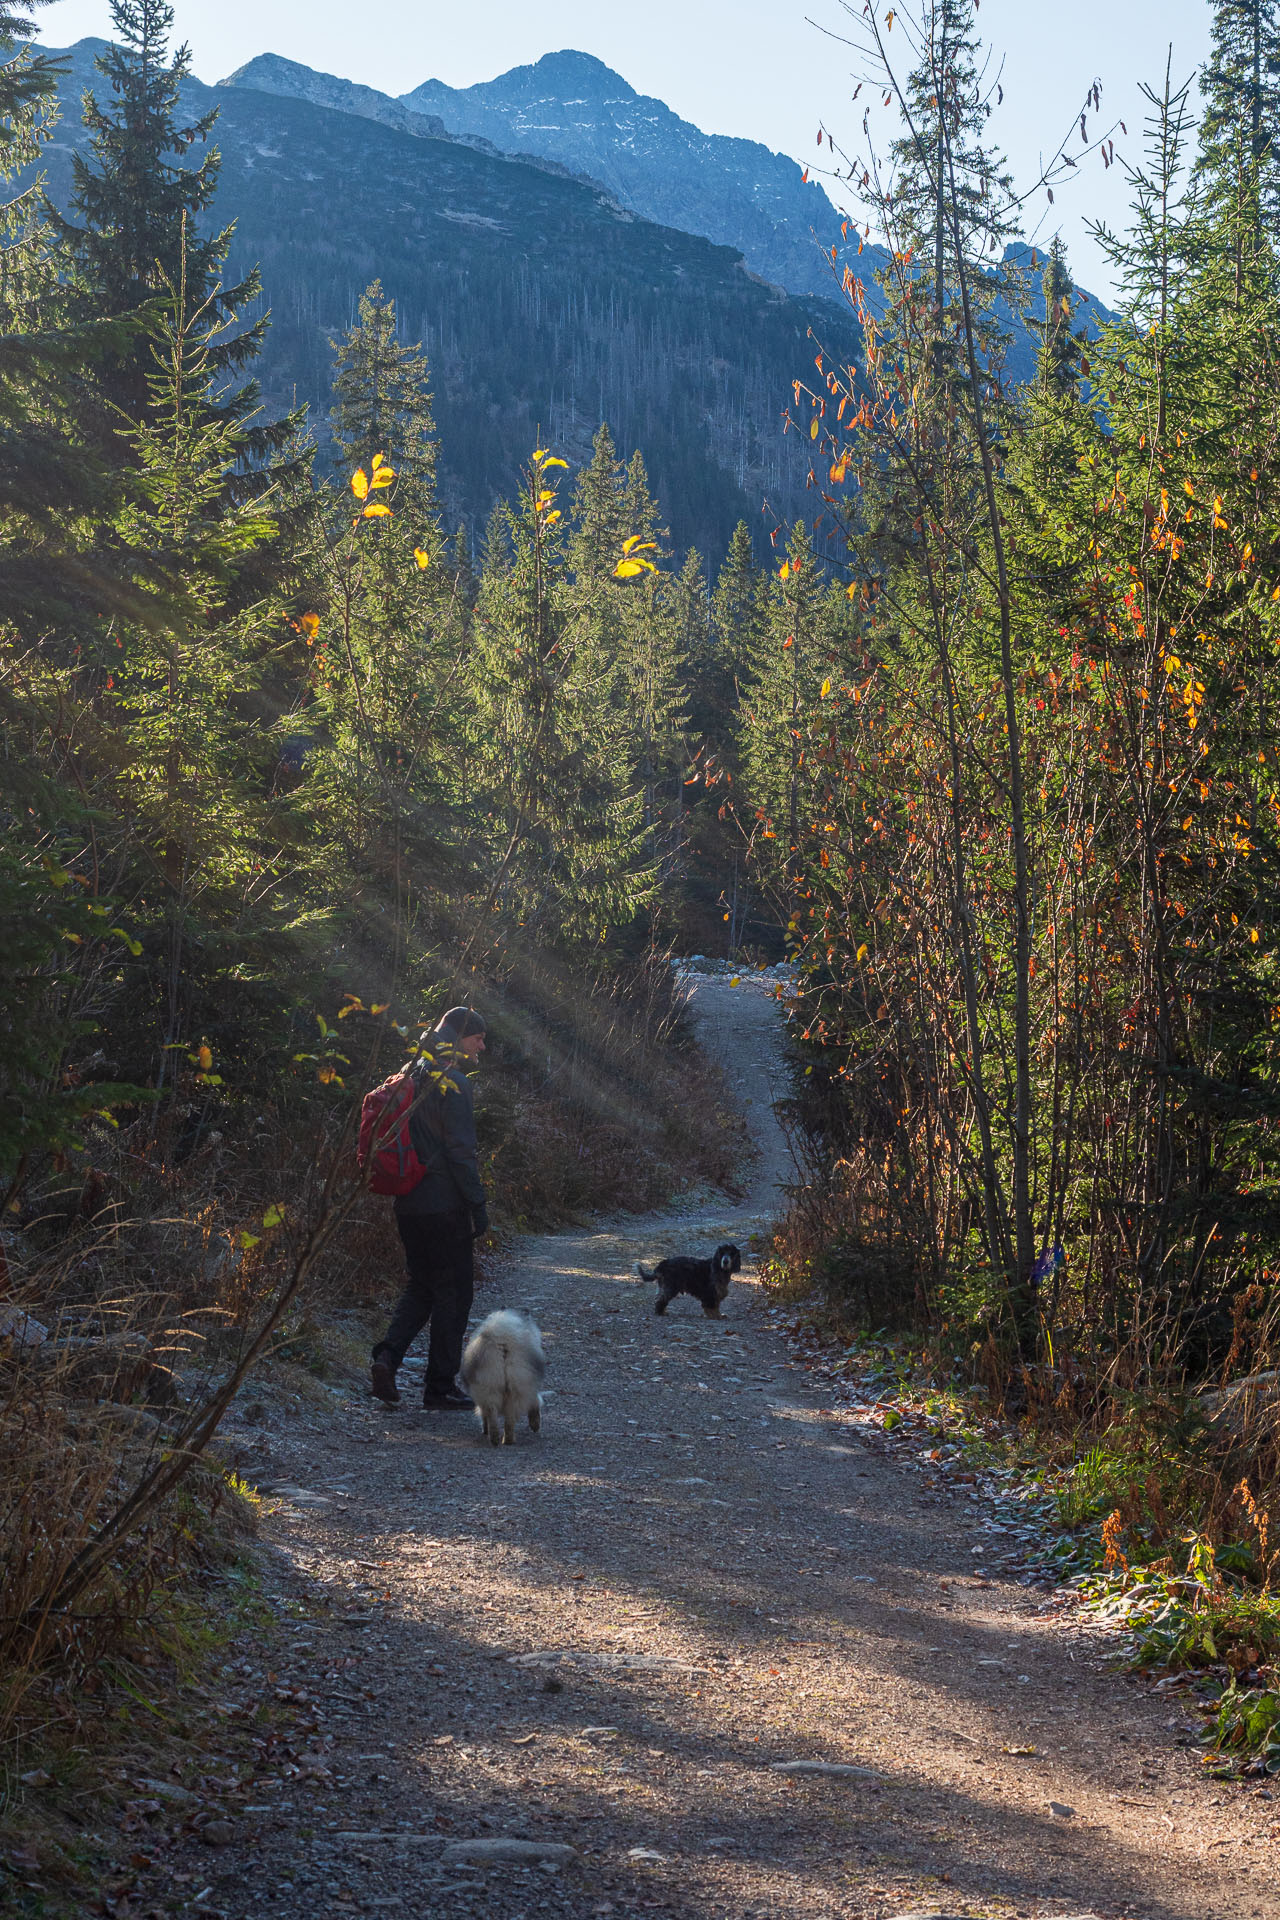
(750, 67)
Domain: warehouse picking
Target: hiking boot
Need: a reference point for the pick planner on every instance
(382, 1378)
(452, 1400)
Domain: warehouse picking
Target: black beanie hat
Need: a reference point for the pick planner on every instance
(460, 1023)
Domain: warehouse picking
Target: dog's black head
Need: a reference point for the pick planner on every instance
(725, 1261)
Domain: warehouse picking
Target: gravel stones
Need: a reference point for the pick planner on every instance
(827, 1769)
(624, 1662)
(500, 1847)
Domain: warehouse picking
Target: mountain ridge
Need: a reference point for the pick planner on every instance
(632, 147)
(733, 191)
(292, 80)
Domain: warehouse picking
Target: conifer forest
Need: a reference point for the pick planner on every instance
(969, 743)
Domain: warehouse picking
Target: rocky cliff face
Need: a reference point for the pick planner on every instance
(290, 80)
(572, 108)
(270, 73)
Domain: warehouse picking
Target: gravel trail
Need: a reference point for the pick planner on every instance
(619, 1637)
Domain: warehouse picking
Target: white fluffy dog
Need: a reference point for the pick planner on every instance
(503, 1368)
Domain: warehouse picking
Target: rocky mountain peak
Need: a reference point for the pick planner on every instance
(272, 73)
(567, 75)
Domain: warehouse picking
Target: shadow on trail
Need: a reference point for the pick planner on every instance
(670, 1769)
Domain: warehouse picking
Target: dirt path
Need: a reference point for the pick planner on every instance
(610, 1638)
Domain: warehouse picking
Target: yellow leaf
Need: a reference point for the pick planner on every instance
(784, 571)
(813, 428)
(376, 511)
(628, 569)
(379, 460)
(826, 688)
(736, 980)
(553, 517)
(360, 484)
(247, 1240)
(273, 1216)
(380, 1006)
(310, 624)
(553, 460)
(635, 542)
(422, 557)
(204, 1057)
(384, 477)
(862, 951)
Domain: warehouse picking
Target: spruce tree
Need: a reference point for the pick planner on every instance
(50, 478)
(1239, 151)
(395, 622)
(136, 225)
(651, 655)
(189, 774)
(737, 627)
(1060, 351)
(382, 403)
(599, 512)
(787, 673)
(28, 82)
(555, 792)
(951, 191)
(691, 609)
(54, 571)
(633, 628)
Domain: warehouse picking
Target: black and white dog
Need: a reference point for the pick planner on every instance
(706, 1280)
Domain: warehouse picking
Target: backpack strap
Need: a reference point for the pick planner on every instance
(425, 1071)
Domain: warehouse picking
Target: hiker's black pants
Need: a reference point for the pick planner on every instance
(439, 1289)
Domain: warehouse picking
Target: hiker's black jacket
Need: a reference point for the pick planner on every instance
(443, 1131)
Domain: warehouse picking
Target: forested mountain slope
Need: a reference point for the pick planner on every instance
(544, 307)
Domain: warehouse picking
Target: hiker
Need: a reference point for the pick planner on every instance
(439, 1218)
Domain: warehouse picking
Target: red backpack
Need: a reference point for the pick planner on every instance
(384, 1135)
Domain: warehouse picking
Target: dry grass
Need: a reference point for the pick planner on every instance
(76, 1433)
